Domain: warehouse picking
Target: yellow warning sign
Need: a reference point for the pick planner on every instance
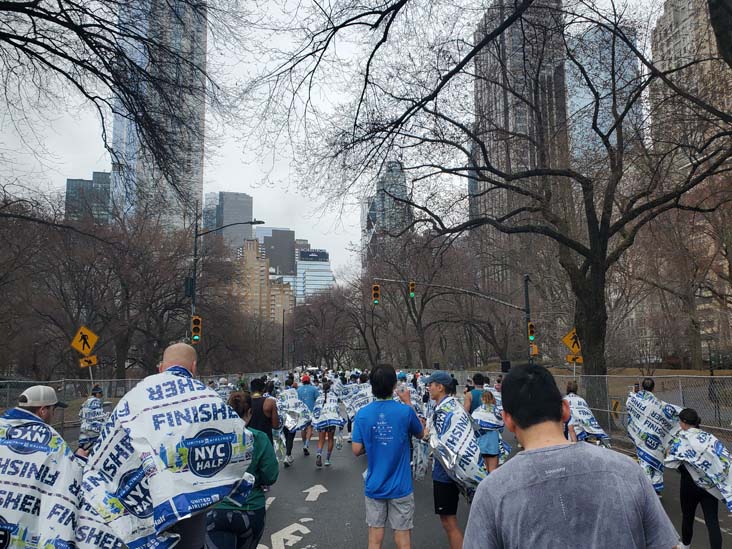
(88, 361)
(571, 340)
(574, 359)
(84, 341)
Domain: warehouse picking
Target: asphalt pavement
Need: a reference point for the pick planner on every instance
(312, 508)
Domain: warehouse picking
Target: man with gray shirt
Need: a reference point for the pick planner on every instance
(559, 494)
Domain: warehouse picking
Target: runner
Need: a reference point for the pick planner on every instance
(294, 415)
(92, 417)
(446, 492)
(382, 431)
(231, 525)
(558, 494)
(308, 393)
(224, 389)
(326, 418)
(473, 398)
(488, 424)
(704, 464)
(652, 424)
(264, 416)
(582, 425)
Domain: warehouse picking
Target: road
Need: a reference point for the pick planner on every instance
(336, 518)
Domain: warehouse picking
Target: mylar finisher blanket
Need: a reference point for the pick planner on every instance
(652, 424)
(583, 420)
(41, 500)
(453, 442)
(707, 461)
(171, 449)
(293, 412)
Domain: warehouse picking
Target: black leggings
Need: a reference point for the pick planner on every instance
(691, 496)
(289, 440)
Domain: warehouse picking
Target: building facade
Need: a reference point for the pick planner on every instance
(235, 208)
(521, 123)
(88, 199)
(174, 60)
(314, 274)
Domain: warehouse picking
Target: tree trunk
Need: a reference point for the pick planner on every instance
(591, 324)
(423, 358)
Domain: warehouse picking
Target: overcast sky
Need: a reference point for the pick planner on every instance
(75, 150)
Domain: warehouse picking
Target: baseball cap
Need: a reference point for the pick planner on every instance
(305, 378)
(40, 395)
(223, 380)
(401, 376)
(97, 389)
(443, 378)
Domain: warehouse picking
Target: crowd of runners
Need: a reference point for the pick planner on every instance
(186, 464)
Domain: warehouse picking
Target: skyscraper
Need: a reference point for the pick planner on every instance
(88, 199)
(279, 248)
(314, 274)
(174, 61)
(521, 121)
(385, 214)
(235, 208)
(210, 202)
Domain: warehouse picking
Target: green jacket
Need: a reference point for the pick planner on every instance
(265, 469)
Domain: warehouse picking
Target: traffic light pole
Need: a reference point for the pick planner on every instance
(527, 314)
(195, 263)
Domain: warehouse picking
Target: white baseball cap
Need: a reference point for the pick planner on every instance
(223, 380)
(40, 395)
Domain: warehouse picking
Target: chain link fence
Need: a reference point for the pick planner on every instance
(710, 396)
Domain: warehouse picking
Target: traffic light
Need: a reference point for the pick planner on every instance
(534, 350)
(196, 326)
(412, 288)
(531, 331)
(376, 293)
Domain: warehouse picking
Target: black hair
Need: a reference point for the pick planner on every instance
(326, 388)
(383, 381)
(289, 381)
(415, 382)
(257, 385)
(364, 377)
(478, 379)
(270, 387)
(690, 417)
(648, 384)
(531, 396)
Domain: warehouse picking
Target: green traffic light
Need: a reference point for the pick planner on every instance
(411, 294)
(196, 337)
(376, 301)
(532, 337)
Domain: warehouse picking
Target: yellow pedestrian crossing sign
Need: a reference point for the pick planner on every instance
(88, 361)
(572, 342)
(84, 341)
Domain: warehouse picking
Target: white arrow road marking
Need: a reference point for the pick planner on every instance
(269, 502)
(288, 536)
(306, 520)
(314, 492)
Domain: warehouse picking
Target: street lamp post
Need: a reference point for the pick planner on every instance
(196, 236)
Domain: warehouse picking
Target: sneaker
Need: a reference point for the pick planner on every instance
(290, 460)
(306, 451)
(327, 462)
(319, 460)
(287, 461)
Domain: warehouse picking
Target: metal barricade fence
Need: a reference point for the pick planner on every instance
(710, 396)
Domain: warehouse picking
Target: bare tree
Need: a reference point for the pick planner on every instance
(486, 103)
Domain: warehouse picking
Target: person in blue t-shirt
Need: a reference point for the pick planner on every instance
(308, 393)
(382, 431)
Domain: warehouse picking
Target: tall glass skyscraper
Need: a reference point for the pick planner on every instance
(314, 274)
(174, 69)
